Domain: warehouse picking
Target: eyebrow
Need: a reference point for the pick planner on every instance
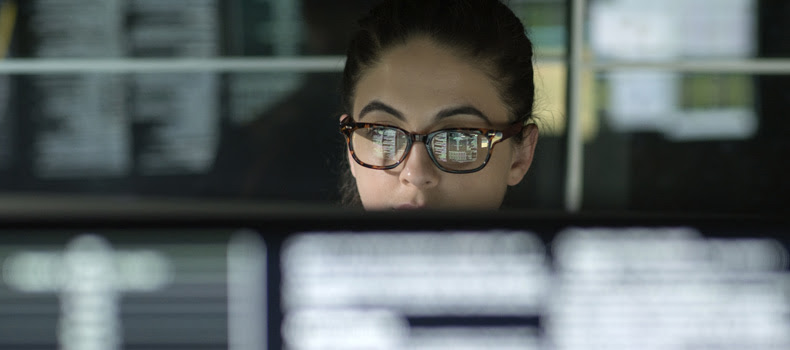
(376, 105)
(449, 112)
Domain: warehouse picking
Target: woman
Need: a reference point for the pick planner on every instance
(438, 96)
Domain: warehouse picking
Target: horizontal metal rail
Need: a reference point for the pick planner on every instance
(336, 63)
(174, 65)
(296, 64)
(749, 66)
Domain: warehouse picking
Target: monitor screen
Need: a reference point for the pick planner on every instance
(394, 281)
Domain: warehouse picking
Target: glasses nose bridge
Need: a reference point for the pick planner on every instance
(424, 139)
(419, 138)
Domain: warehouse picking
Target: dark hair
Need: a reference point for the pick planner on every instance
(486, 32)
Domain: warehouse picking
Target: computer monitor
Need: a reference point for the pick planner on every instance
(332, 279)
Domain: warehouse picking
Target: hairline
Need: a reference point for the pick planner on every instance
(484, 64)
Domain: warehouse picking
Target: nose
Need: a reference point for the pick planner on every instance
(418, 168)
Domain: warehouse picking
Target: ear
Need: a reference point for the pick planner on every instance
(523, 154)
(348, 153)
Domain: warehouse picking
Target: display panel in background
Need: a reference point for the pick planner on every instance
(124, 130)
(656, 139)
(674, 139)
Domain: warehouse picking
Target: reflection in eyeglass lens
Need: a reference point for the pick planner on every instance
(462, 147)
(385, 143)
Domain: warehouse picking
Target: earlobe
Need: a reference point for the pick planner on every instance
(522, 157)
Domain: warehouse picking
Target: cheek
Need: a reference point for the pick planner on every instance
(373, 185)
(483, 189)
(498, 167)
(479, 190)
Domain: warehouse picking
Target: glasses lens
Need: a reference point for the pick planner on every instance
(460, 150)
(378, 145)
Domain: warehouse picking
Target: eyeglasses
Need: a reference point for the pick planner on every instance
(456, 150)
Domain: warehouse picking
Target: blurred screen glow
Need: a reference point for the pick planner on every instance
(668, 289)
(662, 288)
(99, 290)
(420, 274)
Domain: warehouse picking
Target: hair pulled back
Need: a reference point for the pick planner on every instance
(486, 32)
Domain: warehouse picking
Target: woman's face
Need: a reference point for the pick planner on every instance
(409, 87)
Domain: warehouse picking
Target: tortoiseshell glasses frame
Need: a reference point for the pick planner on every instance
(348, 127)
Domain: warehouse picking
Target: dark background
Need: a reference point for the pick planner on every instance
(288, 150)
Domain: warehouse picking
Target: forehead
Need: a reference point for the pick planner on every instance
(421, 78)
